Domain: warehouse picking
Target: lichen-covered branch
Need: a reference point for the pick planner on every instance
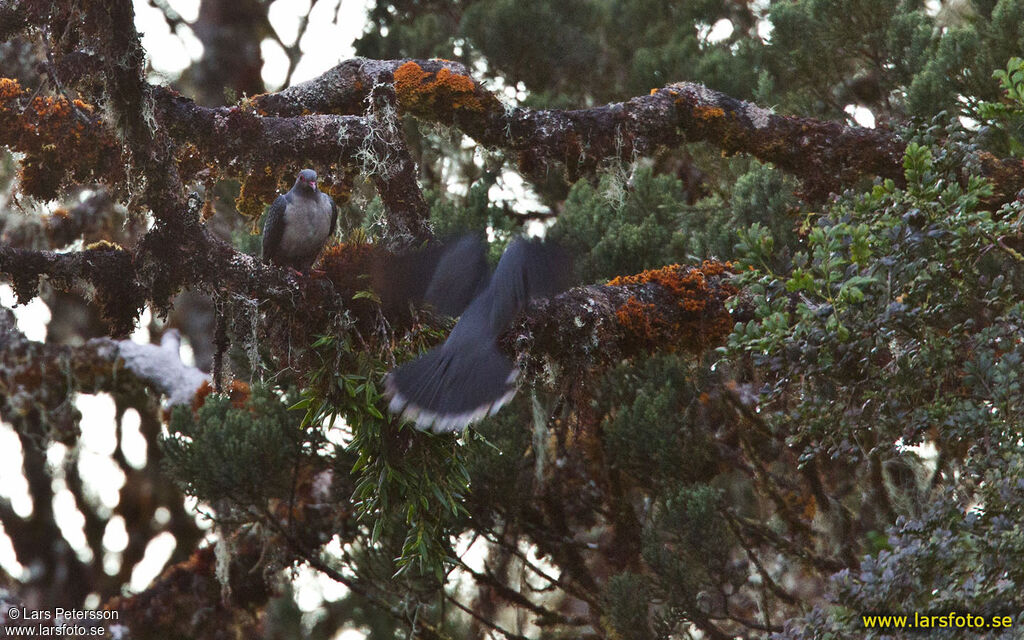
(44, 376)
(167, 259)
(233, 139)
(673, 308)
(63, 141)
(241, 140)
(826, 156)
(108, 269)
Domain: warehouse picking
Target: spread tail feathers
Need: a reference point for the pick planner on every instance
(448, 388)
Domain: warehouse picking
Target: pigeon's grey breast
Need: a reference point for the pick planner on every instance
(307, 224)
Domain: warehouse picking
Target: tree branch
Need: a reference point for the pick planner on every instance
(671, 308)
(109, 270)
(45, 376)
(826, 156)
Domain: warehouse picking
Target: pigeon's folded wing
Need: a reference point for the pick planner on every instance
(273, 228)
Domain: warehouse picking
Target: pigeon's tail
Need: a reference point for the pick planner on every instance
(448, 388)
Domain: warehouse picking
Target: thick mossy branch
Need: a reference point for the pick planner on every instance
(108, 269)
(42, 376)
(674, 308)
(344, 88)
(167, 259)
(231, 138)
(827, 156)
(64, 142)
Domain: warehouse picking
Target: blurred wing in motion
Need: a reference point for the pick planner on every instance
(468, 378)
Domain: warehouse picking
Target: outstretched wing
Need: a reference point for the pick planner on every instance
(459, 276)
(447, 275)
(452, 385)
(467, 377)
(529, 268)
(273, 228)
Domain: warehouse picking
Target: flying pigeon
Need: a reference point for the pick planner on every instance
(298, 224)
(467, 377)
(446, 275)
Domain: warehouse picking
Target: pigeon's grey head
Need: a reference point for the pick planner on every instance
(306, 180)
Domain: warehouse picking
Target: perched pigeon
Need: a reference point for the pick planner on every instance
(298, 224)
(468, 378)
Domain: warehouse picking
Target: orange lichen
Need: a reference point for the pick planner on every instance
(421, 91)
(698, 318)
(199, 399)
(61, 139)
(239, 393)
(9, 88)
(408, 79)
(640, 318)
(707, 113)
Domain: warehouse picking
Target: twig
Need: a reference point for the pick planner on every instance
(485, 621)
(564, 586)
(515, 598)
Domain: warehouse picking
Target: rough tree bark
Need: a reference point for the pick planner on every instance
(147, 144)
